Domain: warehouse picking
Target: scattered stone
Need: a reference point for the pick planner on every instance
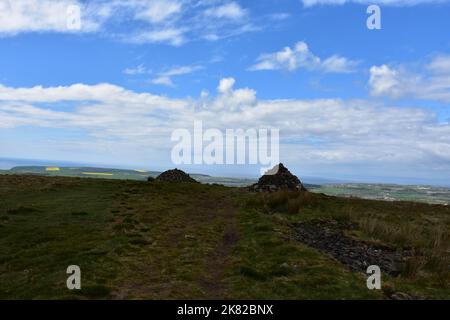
(277, 178)
(175, 176)
(329, 237)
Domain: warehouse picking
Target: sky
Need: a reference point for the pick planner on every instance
(111, 87)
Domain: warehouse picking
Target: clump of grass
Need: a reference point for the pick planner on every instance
(22, 210)
(278, 199)
(347, 214)
(252, 273)
(139, 241)
(413, 265)
(282, 270)
(79, 213)
(403, 236)
(290, 202)
(438, 254)
(293, 205)
(430, 247)
(253, 202)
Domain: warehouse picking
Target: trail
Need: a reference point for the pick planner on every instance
(187, 248)
(217, 263)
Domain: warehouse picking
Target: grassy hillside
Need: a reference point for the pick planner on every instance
(138, 240)
(119, 174)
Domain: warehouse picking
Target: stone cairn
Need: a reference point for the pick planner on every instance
(175, 176)
(277, 178)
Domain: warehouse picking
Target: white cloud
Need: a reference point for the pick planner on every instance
(279, 16)
(338, 64)
(165, 78)
(430, 82)
(140, 69)
(310, 3)
(169, 35)
(173, 22)
(291, 59)
(226, 85)
(158, 11)
(231, 10)
(440, 65)
(385, 81)
(44, 16)
(330, 132)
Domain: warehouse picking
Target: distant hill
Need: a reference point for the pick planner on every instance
(120, 174)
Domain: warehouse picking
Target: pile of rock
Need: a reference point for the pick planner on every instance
(175, 176)
(329, 236)
(277, 178)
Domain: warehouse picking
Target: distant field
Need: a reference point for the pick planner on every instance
(83, 172)
(120, 174)
(139, 240)
(428, 194)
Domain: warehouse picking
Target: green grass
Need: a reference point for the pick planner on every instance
(421, 229)
(138, 240)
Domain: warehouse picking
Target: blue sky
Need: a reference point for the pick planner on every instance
(350, 103)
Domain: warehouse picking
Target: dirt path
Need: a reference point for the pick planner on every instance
(188, 244)
(221, 258)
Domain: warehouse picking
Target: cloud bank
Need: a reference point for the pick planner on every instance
(114, 122)
(172, 22)
(430, 82)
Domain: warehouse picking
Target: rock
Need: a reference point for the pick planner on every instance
(277, 178)
(329, 237)
(150, 179)
(175, 176)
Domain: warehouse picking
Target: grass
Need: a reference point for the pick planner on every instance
(138, 240)
(421, 229)
(268, 266)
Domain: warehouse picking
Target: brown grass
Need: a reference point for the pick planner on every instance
(290, 202)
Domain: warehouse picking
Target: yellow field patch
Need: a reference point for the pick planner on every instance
(97, 173)
(52, 169)
(141, 171)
